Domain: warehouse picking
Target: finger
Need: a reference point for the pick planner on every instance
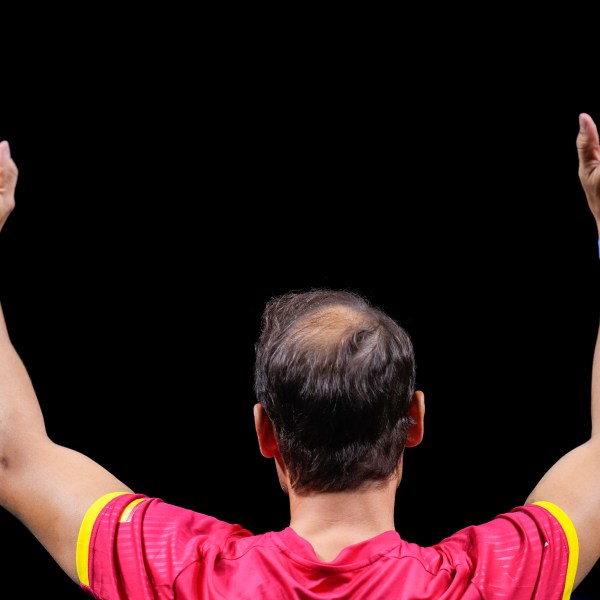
(4, 148)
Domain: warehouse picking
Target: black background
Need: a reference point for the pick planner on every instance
(167, 190)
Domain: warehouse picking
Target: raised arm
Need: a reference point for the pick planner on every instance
(573, 483)
(46, 486)
(588, 148)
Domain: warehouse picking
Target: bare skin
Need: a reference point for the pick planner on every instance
(8, 181)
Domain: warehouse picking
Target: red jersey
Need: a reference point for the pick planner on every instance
(139, 548)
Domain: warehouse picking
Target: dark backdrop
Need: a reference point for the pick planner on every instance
(160, 205)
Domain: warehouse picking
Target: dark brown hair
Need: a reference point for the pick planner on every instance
(335, 375)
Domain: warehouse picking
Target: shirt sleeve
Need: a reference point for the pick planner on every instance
(529, 552)
(134, 547)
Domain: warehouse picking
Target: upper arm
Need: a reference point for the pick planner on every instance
(46, 486)
(49, 488)
(573, 484)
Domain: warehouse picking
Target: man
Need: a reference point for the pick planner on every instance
(337, 406)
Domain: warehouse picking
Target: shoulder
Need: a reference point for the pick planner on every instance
(124, 528)
(534, 546)
(140, 513)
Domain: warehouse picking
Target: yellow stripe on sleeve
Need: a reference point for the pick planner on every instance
(85, 533)
(572, 541)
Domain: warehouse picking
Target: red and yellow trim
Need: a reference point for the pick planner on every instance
(572, 541)
(85, 532)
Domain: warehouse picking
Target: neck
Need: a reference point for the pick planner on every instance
(332, 521)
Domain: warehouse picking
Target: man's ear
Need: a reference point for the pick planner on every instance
(417, 415)
(265, 433)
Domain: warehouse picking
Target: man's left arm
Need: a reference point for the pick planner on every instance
(46, 486)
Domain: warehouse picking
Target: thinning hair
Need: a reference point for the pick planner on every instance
(335, 375)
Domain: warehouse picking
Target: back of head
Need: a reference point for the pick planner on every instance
(335, 375)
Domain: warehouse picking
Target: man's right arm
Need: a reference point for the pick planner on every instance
(573, 482)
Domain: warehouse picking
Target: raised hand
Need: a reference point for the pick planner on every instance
(8, 182)
(588, 150)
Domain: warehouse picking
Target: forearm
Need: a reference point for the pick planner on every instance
(596, 388)
(20, 413)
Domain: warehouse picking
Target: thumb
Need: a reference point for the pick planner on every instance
(4, 148)
(588, 145)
